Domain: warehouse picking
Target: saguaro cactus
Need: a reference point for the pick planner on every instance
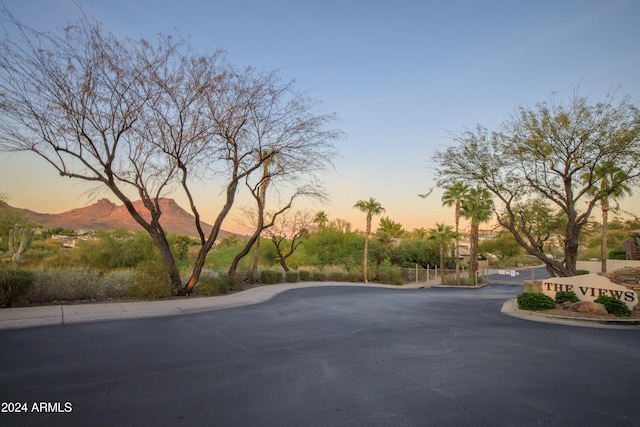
(19, 241)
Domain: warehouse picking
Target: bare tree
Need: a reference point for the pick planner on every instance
(288, 234)
(263, 221)
(293, 150)
(145, 120)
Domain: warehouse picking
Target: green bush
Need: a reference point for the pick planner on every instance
(270, 277)
(389, 274)
(337, 276)
(384, 277)
(150, 281)
(614, 306)
(450, 280)
(564, 296)
(535, 301)
(617, 254)
(291, 276)
(319, 276)
(210, 285)
(235, 282)
(14, 287)
(353, 276)
(305, 275)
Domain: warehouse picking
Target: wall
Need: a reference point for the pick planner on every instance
(612, 265)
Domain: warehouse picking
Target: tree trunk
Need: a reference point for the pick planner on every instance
(366, 248)
(457, 244)
(603, 243)
(169, 261)
(155, 230)
(442, 263)
(571, 249)
(283, 263)
(254, 266)
(236, 260)
(473, 236)
(366, 258)
(204, 250)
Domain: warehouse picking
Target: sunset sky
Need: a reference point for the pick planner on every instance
(400, 75)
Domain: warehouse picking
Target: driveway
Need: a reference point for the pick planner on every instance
(326, 356)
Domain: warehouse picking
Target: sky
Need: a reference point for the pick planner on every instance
(400, 75)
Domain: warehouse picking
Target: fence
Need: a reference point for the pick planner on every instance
(514, 275)
(434, 276)
(486, 274)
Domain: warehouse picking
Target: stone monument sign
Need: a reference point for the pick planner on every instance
(589, 287)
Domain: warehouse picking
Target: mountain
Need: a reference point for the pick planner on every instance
(105, 214)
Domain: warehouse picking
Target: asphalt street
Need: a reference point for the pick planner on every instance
(325, 356)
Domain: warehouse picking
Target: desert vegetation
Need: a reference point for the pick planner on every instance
(119, 264)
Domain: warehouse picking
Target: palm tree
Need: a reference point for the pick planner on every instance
(477, 206)
(371, 207)
(607, 173)
(321, 219)
(453, 196)
(443, 235)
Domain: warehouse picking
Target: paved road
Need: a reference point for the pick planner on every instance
(328, 356)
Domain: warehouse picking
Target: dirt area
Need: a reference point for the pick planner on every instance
(566, 313)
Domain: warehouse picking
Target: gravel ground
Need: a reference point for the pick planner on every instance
(566, 313)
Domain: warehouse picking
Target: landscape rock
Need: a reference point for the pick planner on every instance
(587, 307)
(628, 276)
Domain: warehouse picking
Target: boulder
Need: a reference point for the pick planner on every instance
(587, 307)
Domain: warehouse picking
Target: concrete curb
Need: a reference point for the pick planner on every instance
(28, 317)
(510, 308)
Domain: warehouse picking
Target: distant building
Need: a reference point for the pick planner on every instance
(630, 246)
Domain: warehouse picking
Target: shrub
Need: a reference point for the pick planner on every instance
(337, 276)
(535, 301)
(150, 281)
(353, 276)
(210, 285)
(384, 277)
(14, 287)
(614, 306)
(305, 275)
(234, 283)
(617, 254)
(78, 284)
(270, 277)
(319, 276)
(291, 276)
(564, 296)
(389, 274)
(450, 279)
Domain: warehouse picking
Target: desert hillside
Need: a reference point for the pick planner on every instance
(105, 214)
